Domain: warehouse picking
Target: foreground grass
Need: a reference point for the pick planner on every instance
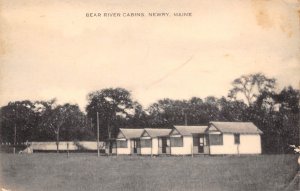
(87, 172)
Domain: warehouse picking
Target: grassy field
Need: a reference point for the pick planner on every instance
(38, 172)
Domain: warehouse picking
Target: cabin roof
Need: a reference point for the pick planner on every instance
(189, 130)
(131, 133)
(156, 132)
(236, 127)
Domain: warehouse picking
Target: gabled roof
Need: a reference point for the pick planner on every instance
(189, 130)
(236, 127)
(131, 133)
(155, 132)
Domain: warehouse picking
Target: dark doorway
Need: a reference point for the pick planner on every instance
(201, 144)
(135, 145)
(164, 145)
(198, 141)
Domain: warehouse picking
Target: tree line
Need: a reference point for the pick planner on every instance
(251, 98)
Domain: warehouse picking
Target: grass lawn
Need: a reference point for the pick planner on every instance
(84, 171)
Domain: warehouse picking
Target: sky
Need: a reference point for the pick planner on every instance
(51, 49)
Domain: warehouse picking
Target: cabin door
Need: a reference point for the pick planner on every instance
(198, 143)
(135, 146)
(201, 144)
(164, 145)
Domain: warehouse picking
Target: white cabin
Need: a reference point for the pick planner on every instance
(188, 140)
(128, 141)
(233, 138)
(155, 141)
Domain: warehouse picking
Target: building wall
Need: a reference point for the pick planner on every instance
(249, 144)
(90, 145)
(151, 151)
(146, 151)
(73, 146)
(228, 146)
(186, 149)
(155, 146)
(125, 151)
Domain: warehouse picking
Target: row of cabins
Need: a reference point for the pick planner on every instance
(218, 138)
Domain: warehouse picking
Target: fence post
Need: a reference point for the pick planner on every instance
(98, 151)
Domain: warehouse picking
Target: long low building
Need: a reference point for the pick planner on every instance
(218, 138)
(65, 145)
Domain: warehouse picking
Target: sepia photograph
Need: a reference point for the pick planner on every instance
(133, 95)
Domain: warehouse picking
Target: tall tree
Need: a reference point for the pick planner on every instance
(20, 115)
(277, 114)
(113, 106)
(139, 118)
(251, 86)
(232, 110)
(167, 112)
(57, 119)
(288, 103)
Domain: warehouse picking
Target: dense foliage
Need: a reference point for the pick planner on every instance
(275, 113)
(42, 121)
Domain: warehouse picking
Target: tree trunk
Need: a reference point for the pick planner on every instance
(108, 130)
(279, 145)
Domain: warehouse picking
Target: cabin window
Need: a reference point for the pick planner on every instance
(146, 143)
(176, 141)
(122, 143)
(216, 139)
(237, 139)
